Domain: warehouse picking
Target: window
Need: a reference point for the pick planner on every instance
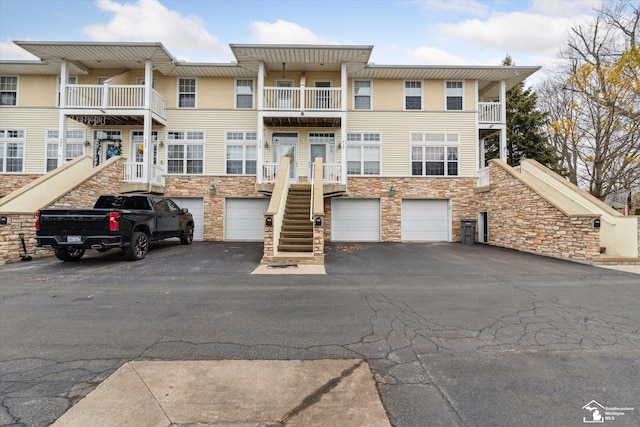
(8, 90)
(363, 154)
(185, 152)
(362, 94)
(75, 146)
(244, 93)
(454, 96)
(434, 154)
(11, 151)
(241, 153)
(186, 93)
(413, 95)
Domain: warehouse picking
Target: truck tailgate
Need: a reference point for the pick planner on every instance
(80, 222)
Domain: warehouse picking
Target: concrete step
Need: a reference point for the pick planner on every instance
(295, 248)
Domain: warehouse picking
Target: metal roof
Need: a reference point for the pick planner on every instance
(83, 56)
(302, 57)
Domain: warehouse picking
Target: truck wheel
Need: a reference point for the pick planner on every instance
(68, 253)
(187, 236)
(139, 246)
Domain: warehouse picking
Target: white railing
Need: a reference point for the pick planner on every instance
(156, 175)
(489, 112)
(113, 96)
(281, 98)
(322, 98)
(331, 173)
(294, 98)
(483, 177)
(134, 172)
(269, 172)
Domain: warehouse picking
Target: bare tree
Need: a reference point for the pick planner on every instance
(594, 105)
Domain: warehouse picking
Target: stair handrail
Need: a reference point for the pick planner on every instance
(278, 200)
(317, 196)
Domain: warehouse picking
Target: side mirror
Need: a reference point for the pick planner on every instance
(185, 210)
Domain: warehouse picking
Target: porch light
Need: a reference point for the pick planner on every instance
(161, 144)
(392, 191)
(212, 189)
(87, 143)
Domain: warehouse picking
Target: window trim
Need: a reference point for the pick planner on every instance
(361, 143)
(195, 93)
(404, 97)
(356, 96)
(50, 141)
(3, 150)
(236, 94)
(17, 91)
(244, 142)
(450, 140)
(446, 95)
(184, 142)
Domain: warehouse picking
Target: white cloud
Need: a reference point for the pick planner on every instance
(467, 7)
(284, 32)
(433, 56)
(564, 7)
(512, 32)
(9, 50)
(149, 20)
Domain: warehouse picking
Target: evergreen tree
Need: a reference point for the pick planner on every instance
(525, 124)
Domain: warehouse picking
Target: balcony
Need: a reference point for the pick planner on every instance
(325, 99)
(489, 112)
(115, 97)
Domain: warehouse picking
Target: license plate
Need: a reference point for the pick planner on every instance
(74, 239)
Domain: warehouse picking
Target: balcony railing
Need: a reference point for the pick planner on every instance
(134, 172)
(489, 112)
(113, 96)
(308, 99)
(331, 173)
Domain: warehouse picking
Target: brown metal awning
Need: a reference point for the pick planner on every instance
(99, 121)
(310, 122)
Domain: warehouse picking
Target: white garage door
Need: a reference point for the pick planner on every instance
(355, 220)
(196, 208)
(425, 220)
(244, 219)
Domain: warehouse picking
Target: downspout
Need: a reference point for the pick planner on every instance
(343, 123)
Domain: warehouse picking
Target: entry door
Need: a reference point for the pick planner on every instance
(287, 145)
(318, 150)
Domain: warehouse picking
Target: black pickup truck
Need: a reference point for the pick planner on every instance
(126, 221)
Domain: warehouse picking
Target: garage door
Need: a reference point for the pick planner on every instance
(425, 220)
(355, 220)
(244, 219)
(196, 208)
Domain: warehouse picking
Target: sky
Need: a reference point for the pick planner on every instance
(402, 32)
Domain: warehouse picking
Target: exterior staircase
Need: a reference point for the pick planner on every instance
(297, 229)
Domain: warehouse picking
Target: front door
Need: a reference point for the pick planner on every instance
(286, 144)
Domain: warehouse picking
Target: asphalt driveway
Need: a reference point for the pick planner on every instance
(454, 335)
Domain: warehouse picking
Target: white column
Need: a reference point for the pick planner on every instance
(343, 121)
(148, 123)
(62, 119)
(503, 121)
(260, 125)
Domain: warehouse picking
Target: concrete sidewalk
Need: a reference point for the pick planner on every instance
(230, 392)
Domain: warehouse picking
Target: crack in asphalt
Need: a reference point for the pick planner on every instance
(397, 338)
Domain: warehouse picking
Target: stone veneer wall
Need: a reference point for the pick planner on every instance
(519, 218)
(84, 195)
(460, 192)
(198, 186)
(10, 183)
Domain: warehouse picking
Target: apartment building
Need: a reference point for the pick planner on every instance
(400, 147)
